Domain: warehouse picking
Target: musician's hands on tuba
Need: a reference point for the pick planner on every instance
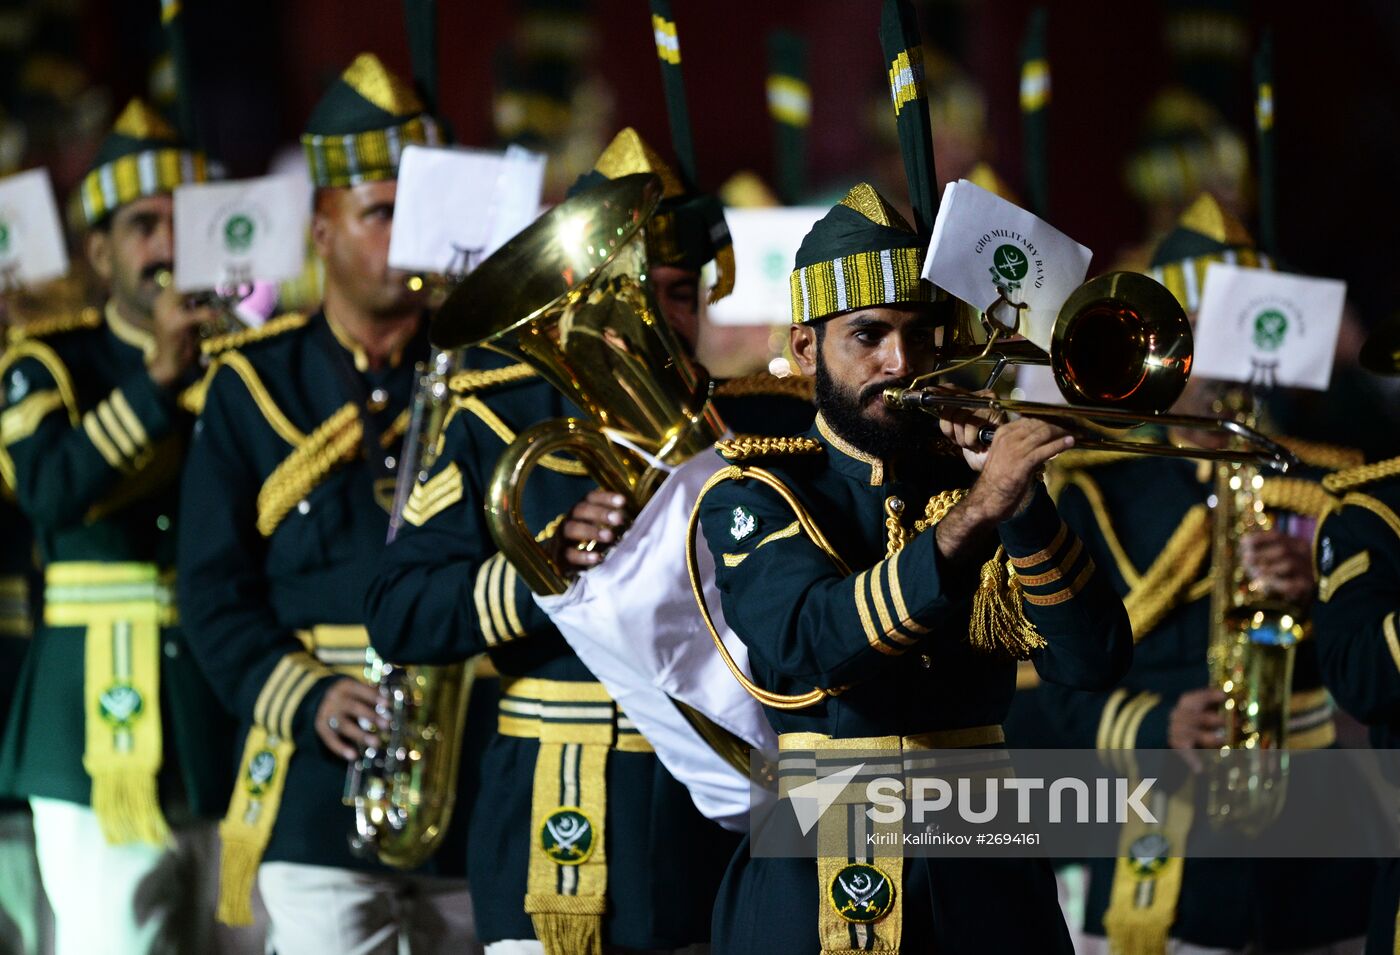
(590, 528)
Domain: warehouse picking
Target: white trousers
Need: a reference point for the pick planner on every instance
(133, 899)
(318, 910)
(26, 925)
(1098, 945)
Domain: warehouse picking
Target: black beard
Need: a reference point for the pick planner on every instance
(844, 412)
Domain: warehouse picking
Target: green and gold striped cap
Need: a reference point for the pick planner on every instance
(688, 229)
(860, 254)
(142, 156)
(1205, 233)
(359, 129)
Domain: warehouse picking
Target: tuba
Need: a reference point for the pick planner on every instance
(570, 297)
(1253, 641)
(403, 790)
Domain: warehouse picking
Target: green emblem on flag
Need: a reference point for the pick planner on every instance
(4, 238)
(1148, 854)
(567, 836)
(1009, 266)
(861, 893)
(1270, 327)
(120, 704)
(261, 768)
(744, 524)
(238, 233)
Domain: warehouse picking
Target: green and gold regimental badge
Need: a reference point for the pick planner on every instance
(567, 836)
(861, 893)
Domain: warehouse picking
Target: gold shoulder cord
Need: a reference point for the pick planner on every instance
(1365, 474)
(777, 701)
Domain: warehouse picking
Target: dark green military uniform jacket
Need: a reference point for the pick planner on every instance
(444, 592)
(288, 484)
(1130, 513)
(1356, 626)
(20, 585)
(894, 633)
(93, 448)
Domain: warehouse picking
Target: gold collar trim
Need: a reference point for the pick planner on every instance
(357, 351)
(127, 332)
(877, 467)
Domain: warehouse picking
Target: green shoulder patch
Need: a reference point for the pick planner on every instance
(861, 893)
(567, 836)
(745, 524)
(743, 447)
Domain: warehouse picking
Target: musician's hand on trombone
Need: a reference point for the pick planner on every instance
(594, 525)
(176, 335)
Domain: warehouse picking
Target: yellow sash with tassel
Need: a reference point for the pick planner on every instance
(123, 607)
(567, 874)
(262, 775)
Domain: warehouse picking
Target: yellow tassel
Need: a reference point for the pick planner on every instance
(567, 924)
(127, 807)
(999, 623)
(238, 868)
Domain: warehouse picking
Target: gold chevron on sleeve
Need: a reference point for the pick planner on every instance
(105, 446)
(23, 419)
(434, 496)
(479, 598)
(1347, 571)
(291, 679)
(1054, 573)
(1110, 713)
(1041, 556)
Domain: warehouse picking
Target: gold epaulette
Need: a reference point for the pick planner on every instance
(56, 325)
(474, 380)
(1364, 474)
(1297, 495)
(744, 447)
(268, 329)
(1334, 457)
(764, 383)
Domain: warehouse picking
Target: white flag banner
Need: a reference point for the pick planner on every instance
(240, 232)
(765, 245)
(984, 247)
(455, 207)
(1269, 328)
(31, 233)
(633, 622)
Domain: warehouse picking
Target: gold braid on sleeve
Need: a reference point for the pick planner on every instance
(336, 441)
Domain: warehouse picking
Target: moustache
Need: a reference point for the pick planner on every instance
(877, 390)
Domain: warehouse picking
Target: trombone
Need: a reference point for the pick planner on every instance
(1121, 355)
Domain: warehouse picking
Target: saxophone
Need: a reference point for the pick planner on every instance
(403, 789)
(1253, 641)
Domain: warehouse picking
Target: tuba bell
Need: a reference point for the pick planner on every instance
(570, 297)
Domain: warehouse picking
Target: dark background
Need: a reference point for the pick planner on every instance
(261, 64)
